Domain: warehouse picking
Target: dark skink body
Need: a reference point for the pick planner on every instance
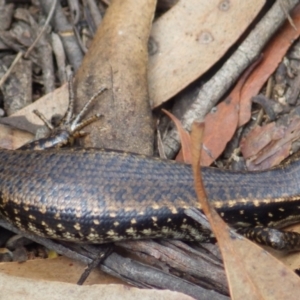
(101, 196)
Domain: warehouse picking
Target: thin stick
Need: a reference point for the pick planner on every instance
(50, 15)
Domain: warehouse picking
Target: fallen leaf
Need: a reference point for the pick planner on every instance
(189, 39)
(20, 288)
(60, 269)
(252, 272)
(54, 103)
(11, 138)
(221, 123)
(185, 152)
(117, 59)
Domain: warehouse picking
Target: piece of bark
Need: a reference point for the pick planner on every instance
(265, 147)
(211, 92)
(117, 60)
(115, 263)
(200, 269)
(17, 91)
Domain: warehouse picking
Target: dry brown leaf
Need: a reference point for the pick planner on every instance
(54, 103)
(118, 59)
(189, 39)
(185, 152)
(220, 126)
(60, 269)
(273, 55)
(251, 271)
(11, 138)
(221, 123)
(12, 287)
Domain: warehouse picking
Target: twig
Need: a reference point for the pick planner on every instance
(50, 15)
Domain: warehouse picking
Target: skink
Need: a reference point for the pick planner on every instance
(99, 196)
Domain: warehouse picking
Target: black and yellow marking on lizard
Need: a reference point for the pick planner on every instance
(101, 196)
